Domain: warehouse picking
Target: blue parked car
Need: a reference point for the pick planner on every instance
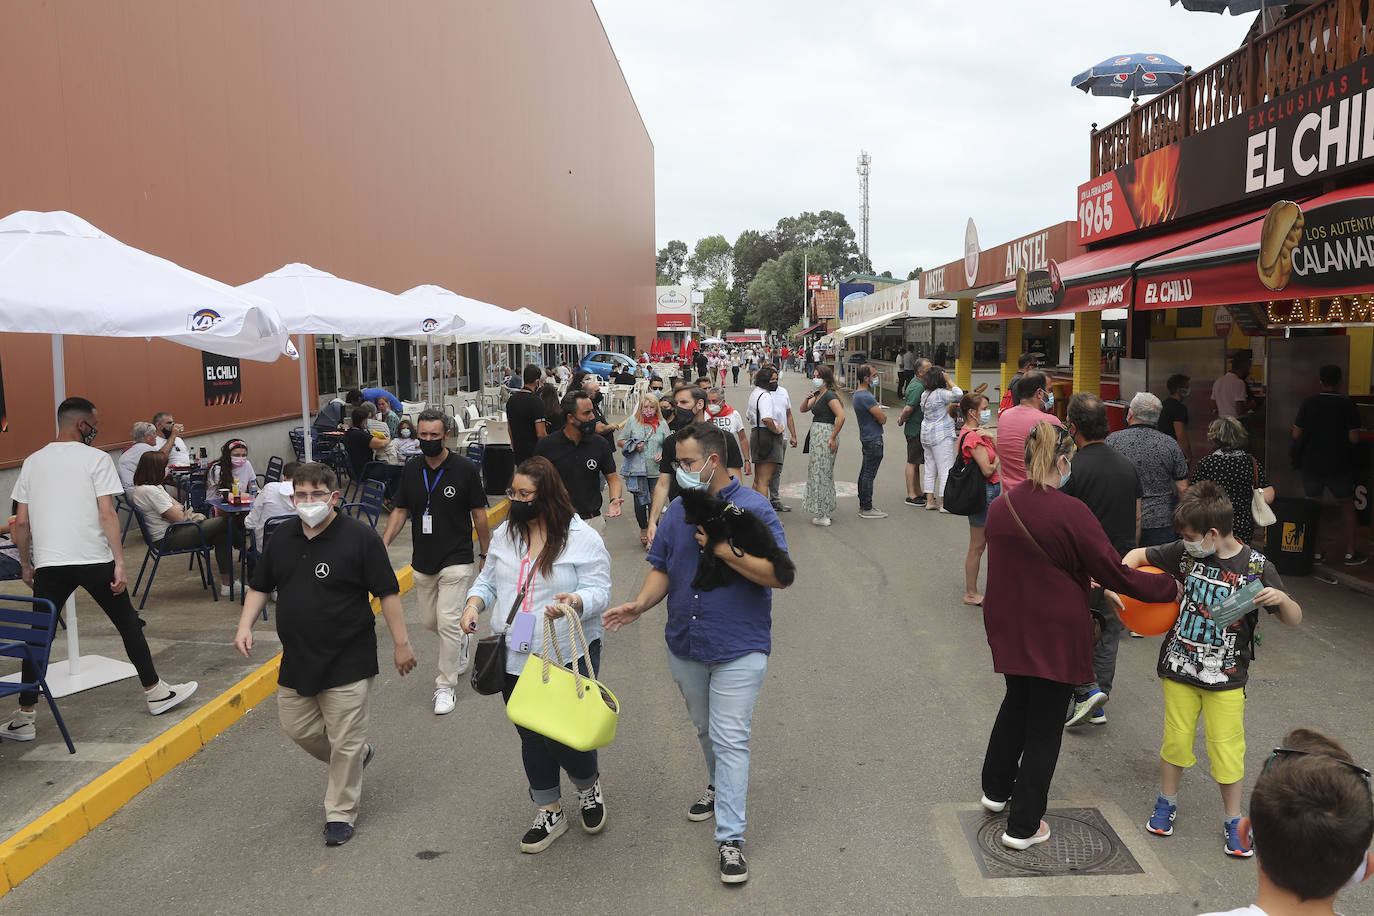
(603, 363)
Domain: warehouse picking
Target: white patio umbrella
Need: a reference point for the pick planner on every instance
(559, 333)
(312, 301)
(479, 322)
(60, 275)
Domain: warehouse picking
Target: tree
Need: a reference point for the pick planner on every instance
(914, 274)
(671, 262)
(775, 296)
(711, 262)
(752, 249)
(716, 313)
(829, 231)
(888, 274)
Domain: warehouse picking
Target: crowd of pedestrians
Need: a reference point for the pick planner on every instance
(1069, 512)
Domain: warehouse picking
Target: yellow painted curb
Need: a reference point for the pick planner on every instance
(39, 842)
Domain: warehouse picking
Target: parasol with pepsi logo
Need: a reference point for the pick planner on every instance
(1130, 75)
(1234, 7)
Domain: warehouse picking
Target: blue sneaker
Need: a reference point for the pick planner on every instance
(1098, 718)
(1233, 847)
(1162, 821)
(1085, 707)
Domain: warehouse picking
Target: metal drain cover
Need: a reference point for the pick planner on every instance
(1081, 843)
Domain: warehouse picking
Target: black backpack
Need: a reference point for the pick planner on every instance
(965, 489)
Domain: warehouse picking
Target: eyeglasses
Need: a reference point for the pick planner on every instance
(1282, 751)
(685, 464)
(523, 496)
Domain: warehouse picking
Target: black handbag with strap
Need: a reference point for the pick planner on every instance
(966, 490)
(489, 661)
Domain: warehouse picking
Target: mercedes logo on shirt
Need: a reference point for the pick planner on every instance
(450, 491)
(322, 571)
(591, 464)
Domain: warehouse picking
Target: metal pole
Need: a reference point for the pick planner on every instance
(305, 409)
(59, 394)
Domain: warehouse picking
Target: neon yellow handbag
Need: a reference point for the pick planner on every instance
(560, 703)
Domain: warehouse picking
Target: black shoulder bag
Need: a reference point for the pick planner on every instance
(489, 663)
(966, 491)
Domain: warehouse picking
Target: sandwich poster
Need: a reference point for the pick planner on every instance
(222, 382)
(1326, 247)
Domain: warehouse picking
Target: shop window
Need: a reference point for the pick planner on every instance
(348, 366)
(1190, 318)
(390, 380)
(326, 369)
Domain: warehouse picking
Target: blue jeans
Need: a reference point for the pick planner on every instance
(544, 757)
(720, 699)
(873, 456)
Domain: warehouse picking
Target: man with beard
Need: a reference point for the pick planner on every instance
(689, 406)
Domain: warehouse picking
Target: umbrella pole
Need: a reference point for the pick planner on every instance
(429, 370)
(305, 410)
(59, 394)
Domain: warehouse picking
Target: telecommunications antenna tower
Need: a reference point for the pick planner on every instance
(863, 170)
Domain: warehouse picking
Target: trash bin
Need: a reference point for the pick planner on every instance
(498, 466)
(1292, 539)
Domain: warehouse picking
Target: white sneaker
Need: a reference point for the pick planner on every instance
(444, 701)
(226, 589)
(823, 521)
(165, 696)
(875, 512)
(20, 727)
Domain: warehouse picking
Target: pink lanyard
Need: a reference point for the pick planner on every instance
(529, 583)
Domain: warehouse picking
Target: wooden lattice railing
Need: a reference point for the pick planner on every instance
(1303, 48)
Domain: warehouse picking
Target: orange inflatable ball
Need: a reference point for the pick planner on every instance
(1145, 618)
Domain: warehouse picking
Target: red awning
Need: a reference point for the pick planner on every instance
(1222, 270)
(1097, 280)
(808, 330)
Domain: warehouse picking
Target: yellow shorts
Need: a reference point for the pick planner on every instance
(1223, 722)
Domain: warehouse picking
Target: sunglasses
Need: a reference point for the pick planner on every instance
(1285, 751)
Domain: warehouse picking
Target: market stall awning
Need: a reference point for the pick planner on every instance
(870, 324)
(1317, 247)
(1096, 281)
(808, 329)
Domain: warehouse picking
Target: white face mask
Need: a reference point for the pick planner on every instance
(985, 415)
(818, 382)
(312, 514)
(1198, 549)
(713, 409)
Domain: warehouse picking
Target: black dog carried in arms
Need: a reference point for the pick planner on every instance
(741, 529)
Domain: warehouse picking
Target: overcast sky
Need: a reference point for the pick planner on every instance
(758, 109)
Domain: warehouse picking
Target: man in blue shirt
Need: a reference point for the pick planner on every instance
(718, 640)
(871, 419)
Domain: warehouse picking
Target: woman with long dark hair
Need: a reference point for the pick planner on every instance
(553, 413)
(233, 464)
(938, 433)
(544, 558)
(1044, 550)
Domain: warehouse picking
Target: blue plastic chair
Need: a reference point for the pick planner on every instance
(370, 495)
(27, 635)
(121, 504)
(252, 553)
(200, 554)
(274, 466)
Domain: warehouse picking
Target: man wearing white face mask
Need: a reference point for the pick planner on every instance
(1310, 826)
(324, 567)
(718, 640)
(729, 420)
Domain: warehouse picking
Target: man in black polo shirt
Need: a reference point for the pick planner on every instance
(582, 458)
(323, 568)
(441, 492)
(525, 415)
(689, 406)
(1325, 433)
(1107, 482)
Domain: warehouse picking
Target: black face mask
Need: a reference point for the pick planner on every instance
(587, 427)
(772, 385)
(166, 431)
(89, 435)
(523, 513)
(681, 417)
(431, 448)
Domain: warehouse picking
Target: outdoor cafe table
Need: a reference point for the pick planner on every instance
(229, 511)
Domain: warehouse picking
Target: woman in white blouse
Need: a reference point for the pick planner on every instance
(938, 433)
(161, 512)
(562, 562)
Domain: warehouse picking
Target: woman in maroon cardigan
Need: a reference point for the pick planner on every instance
(1036, 613)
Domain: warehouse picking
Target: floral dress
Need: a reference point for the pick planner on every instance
(819, 501)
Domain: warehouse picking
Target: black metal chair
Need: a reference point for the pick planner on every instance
(200, 554)
(27, 635)
(369, 498)
(274, 466)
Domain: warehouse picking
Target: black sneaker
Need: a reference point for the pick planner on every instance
(593, 808)
(704, 807)
(918, 501)
(336, 833)
(781, 507)
(733, 868)
(548, 826)
(1356, 559)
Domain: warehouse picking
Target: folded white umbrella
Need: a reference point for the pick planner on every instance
(559, 333)
(60, 275)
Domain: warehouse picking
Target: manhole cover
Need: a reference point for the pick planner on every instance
(1081, 843)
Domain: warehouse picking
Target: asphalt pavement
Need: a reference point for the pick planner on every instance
(867, 743)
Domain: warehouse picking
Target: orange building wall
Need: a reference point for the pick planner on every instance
(491, 148)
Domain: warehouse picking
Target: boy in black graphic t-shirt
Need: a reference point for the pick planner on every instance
(1202, 664)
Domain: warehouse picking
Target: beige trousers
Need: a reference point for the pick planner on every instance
(332, 726)
(441, 600)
